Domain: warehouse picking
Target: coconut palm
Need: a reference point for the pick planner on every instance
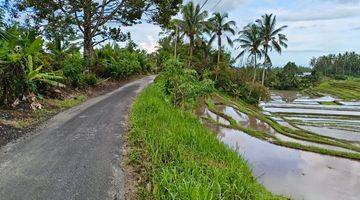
(220, 27)
(250, 41)
(272, 38)
(192, 24)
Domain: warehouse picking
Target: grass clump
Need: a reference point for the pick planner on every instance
(178, 158)
(67, 103)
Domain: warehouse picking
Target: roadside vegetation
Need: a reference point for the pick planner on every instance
(180, 159)
(53, 58)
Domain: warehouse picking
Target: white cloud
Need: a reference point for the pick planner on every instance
(309, 11)
(150, 45)
(145, 35)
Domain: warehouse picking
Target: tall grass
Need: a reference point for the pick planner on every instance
(178, 158)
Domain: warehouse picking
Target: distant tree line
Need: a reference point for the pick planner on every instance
(340, 65)
(292, 77)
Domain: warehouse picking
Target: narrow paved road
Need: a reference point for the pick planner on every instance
(75, 155)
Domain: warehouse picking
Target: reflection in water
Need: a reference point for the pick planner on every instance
(295, 173)
(256, 124)
(216, 117)
(335, 133)
(338, 121)
(248, 121)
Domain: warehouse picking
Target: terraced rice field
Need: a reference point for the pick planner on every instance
(297, 146)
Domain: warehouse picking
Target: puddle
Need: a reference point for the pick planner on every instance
(295, 173)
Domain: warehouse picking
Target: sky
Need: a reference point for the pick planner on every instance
(315, 27)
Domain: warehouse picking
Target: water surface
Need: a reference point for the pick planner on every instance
(295, 173)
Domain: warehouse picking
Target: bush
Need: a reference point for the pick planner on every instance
(73, 68)
(257, 92)
(116, 62)
(340, 77)
(232, 82)
(90, 79)
(123, 66)
(182, 85)
(23, 65)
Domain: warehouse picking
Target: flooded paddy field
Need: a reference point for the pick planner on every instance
(339, 121)
(296, 154)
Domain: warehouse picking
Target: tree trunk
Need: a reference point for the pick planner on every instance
(176, 41)
(191, 46)
(219, 50)
(255, 68)
(265, 65)
(88, 37)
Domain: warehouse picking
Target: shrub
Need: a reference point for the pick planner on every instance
(73, 68)
(182, 85)
(124, 66)
(257, 92)
(116, 62)
(90, 79)
(232, 82)
(22, 65)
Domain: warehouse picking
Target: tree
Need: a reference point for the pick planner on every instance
(220, 27)
(250, 41)
(192, 24)
(272, 38)
(337, 66)
(99, 21)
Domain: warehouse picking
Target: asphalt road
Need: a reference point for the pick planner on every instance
(75, 155)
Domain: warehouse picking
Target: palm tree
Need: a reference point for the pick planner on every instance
(272, 38)
(172, 32)
(220, 27)
(192, 24)
(250, 41)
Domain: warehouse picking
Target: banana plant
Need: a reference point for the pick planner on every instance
(33, 75)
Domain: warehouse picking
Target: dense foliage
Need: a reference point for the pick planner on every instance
(182, 85)
(116, 62)
(292, 77)
(233, 81)
(21, 65)
(338, 66)
(190, 39)
(29, 66)
(93, 20)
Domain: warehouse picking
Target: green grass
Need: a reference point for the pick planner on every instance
(67, 103)
(178, 158)
(347, 89)
(330, 103)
